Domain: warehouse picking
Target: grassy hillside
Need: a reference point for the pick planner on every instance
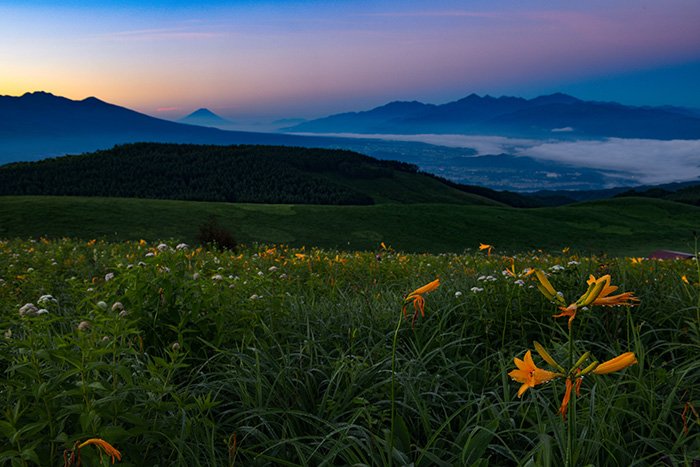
(633, 226)
(684, 194)
(241, 174)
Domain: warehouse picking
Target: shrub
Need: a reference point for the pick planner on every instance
(212, 233)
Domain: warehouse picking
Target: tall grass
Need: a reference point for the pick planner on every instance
(278, 356)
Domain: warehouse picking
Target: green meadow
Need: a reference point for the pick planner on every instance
(274, 355)
(626, 226)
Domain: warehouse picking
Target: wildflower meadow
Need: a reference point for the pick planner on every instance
(161, 354)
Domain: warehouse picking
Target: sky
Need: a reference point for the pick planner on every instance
(310, 58)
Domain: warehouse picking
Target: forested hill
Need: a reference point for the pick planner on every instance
(246, 174)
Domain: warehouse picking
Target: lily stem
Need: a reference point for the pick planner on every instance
(393, 398)
(570, 415)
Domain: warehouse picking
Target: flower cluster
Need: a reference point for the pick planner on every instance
(598, 293)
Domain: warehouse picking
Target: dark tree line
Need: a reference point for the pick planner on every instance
(245, 174)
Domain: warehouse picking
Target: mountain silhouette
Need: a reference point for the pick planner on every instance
(39, 124)
(556, 115)
(205, 117)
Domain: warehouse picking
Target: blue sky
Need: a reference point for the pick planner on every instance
(310, 58)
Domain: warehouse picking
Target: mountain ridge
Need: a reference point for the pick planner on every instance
(39, 124)
(512, 116)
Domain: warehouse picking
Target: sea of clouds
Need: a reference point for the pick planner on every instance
(646, 161)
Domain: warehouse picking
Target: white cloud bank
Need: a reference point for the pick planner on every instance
(645, 161)
(648, 161)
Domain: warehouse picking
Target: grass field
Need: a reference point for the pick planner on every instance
(629, 226)
(280, 356)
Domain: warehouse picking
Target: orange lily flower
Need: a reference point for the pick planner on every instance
(484, 246)
(418, 301)
(567, 395)
(598, 293)
(569, 311)
(605, 299)
(529, 375)
(102, 445)
(616, 364)
(512, 273)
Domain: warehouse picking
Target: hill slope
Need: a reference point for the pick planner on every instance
(631, 226)
(251, 174)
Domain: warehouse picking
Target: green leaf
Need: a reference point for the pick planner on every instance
(477, 442)
(32, 429)
(7, 429)
(30, 455)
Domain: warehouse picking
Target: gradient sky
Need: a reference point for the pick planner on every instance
(308, 58)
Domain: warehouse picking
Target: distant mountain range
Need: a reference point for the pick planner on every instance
(553, 116)
(205, 117)
(39, 124)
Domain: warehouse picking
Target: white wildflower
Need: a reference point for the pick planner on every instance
(272, 268)
(573, 263)
(283, 276)
(557, 268)
(175, 347)
(477, 289)
(458, 294)
(182, 246)
(195, 276)
(150, 254)
(481, 278)
(117, 306)
(123, 314)
(260, 273)
(84, 326)
(44, 300)
(491, 278)
(109, 276)
(29, 309)
(162, 247)
(42, 311)
(217, 277)
(102, 305)
(8, 334)
(255, 297)
(519, 282)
